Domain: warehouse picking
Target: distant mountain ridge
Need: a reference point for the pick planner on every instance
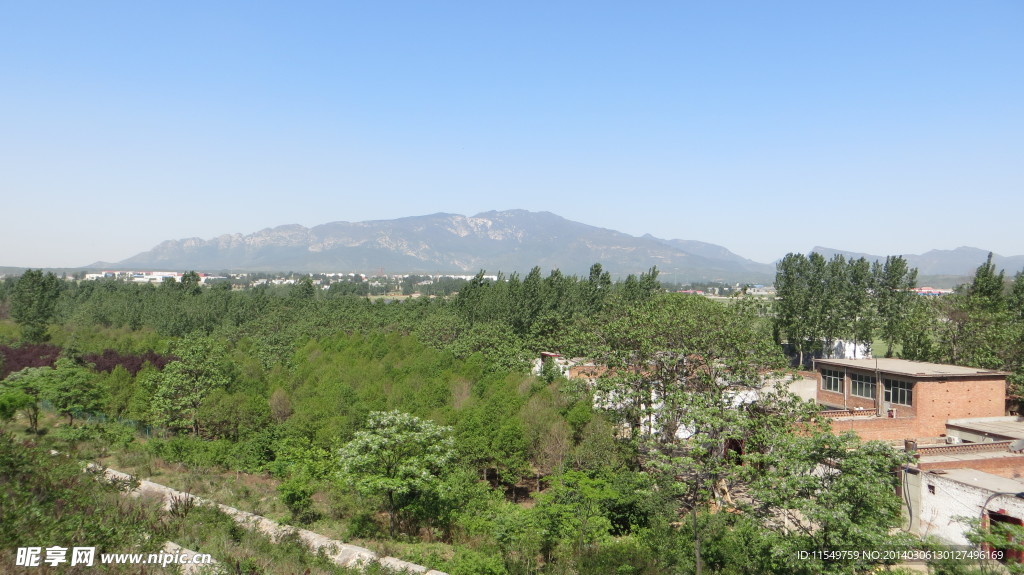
(507, 241)
(962, 261)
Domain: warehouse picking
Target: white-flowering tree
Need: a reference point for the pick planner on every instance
(398, 458)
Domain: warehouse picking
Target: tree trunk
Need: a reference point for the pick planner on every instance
(696, 542)
(391, 513)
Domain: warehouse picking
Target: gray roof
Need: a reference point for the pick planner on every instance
(983, 480)
(1010, 427)
(907, 367)
(959, 458)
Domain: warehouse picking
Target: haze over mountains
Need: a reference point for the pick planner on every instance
(507, 241)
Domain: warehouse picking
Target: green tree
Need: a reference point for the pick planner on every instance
(573, 513)
(398, 458)
(894, 282)
(818, 492)
(190, 283)
(72, 389)
(180, 390)
(986, 289)
(47, 497)
(117, 387)
(922, 323)
(858, 305)
(303, 290)
(793, 318)
(983, 326)
(24, 390)
(834, 303)
(33, 301)
(996, 536)
(663, 350)
(11, 401)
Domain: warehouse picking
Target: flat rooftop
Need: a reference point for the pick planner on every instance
(1009, 427)
(907, 367)
(983, 480)
(937, 460)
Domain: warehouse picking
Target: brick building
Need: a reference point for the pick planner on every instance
(885, 398)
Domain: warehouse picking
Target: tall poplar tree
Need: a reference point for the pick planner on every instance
(894, 296)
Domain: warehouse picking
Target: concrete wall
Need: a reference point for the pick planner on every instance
(940, 506)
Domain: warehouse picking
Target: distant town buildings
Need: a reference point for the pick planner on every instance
(930, 291)
(147, 276)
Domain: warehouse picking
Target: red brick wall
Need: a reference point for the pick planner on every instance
(934, 403)
(959, 398)
(880, 428)
(586, 371)
(1011, 466)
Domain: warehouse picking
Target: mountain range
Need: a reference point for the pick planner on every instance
(507, 241)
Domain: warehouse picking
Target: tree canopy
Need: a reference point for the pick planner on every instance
(397, 457)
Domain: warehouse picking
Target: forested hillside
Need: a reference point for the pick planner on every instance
(418, 425)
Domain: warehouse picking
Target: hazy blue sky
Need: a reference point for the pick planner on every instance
(766, 127)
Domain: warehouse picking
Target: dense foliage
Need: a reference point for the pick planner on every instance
(980, 325)
(821, 302)
(418, 421)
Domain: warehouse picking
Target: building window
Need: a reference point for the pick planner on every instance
(832, 380)
(899, 392)
(862, 385)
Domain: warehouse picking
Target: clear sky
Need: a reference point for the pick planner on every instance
(766, 127)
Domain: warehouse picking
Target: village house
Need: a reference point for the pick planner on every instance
(896, 399)
(967, 453)
(978, 475)
(967, 460)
